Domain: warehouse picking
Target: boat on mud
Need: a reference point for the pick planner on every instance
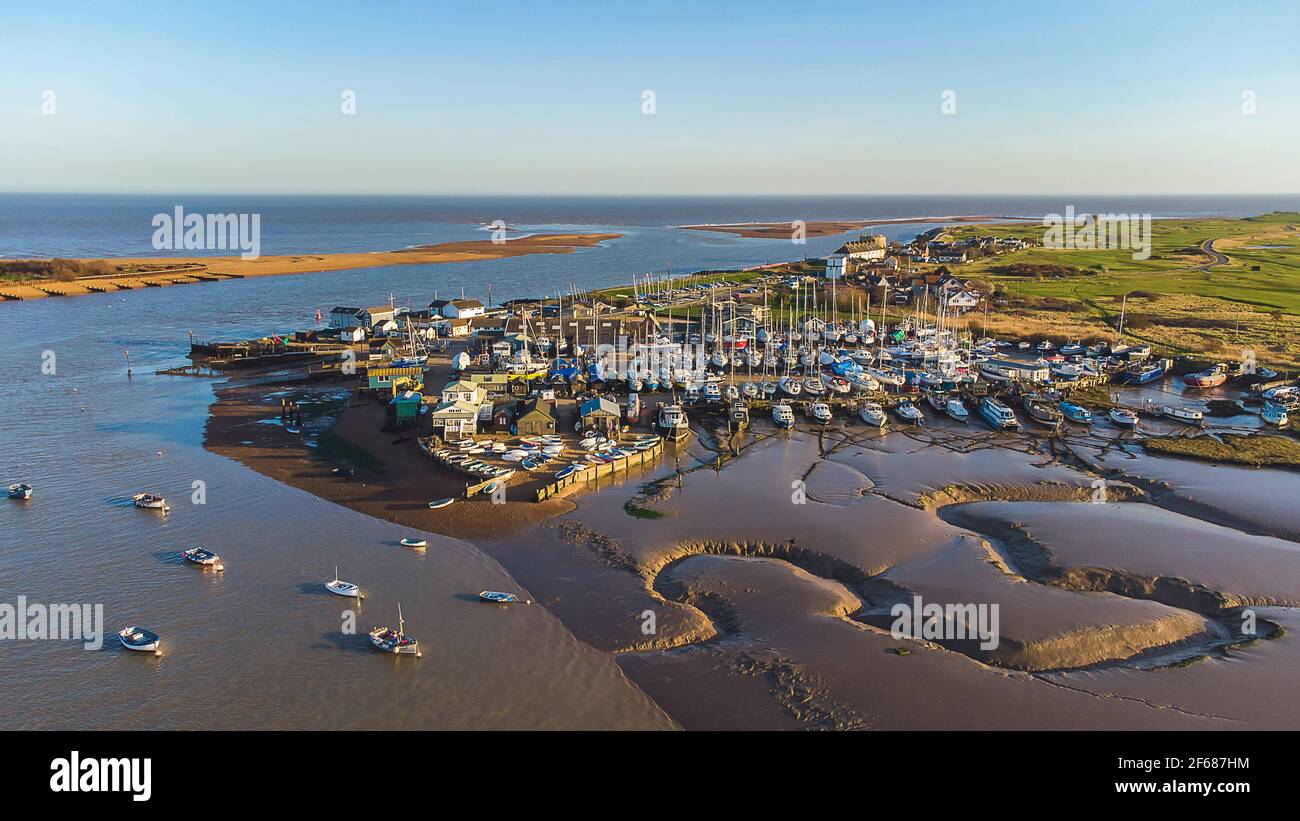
(956, 409)
(739, 415)
(873, 414)
(1208, 378)
(782, 416)
(1075, 413)
(1042, 411)
(672, 422)
(909, 413)
(998, 415)
(1123, 418)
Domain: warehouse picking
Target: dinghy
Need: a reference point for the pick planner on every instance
(396, 641)
(441, 503)
(411, 541)
(20, 491)
(150, 501)
(341, 588)
(201, 556)
(140, 639)
(493, 597)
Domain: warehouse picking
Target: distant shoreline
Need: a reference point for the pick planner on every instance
(828, 228)
(140, 272)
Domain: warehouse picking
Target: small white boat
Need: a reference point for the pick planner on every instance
(396, 641)
(140, 639)
(814, 386)
(783, 416)
(908, 412)
(790, 385)
(149, 501)
(956, 409)
(1275, 414)
(441, 503)
(820, 413)
(1124, 418)
(341, 588)
(493, 597)
(20, 491)
(1185, 415)
(411, 541)
(201, 556)
(873, 414)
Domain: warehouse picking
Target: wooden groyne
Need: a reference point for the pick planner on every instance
(593, 472)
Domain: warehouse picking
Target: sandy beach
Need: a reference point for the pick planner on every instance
(141, 272)
(828, 228)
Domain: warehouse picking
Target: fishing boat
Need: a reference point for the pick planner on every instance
(341, 588)
(739, 415)
(20, 491)
(790, 385)
(493, 597)
(782, 416)
(1145, 372)
(150, 501)
(1042, 411)
(872, 413)
(955, 408)
(396, 641)
(414, 541)
(1185, 415)
(140, 639)
(908, 412)
(711, 392)
(1124, 418)
(1075, 413)
(998, 415)
(1275, 414)
(673, 423)
(1209, 378)
(201, 556)
(820, 413)
(441, 503)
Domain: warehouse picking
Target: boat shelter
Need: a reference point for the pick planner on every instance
(599, 414)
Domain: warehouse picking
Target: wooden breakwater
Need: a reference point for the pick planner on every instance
(593, 472)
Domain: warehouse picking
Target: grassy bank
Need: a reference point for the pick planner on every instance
(1259, 450)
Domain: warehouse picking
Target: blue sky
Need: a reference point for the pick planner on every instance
(752, 97)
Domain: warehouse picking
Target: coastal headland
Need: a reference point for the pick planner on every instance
(129, 273)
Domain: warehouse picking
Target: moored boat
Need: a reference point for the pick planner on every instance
(820, 413)
(1275, 414)
(1124, 418)
(1208, 378)
(415, 541)
(150, 501)
(201, 556)
(872, 413)
(909, 413)
(955, 408)
(341, 588)
(739, 415)
(1042, 411)
(397, 642)
(673, 423)
(998, 415)
(494, 597)
(21, 490)
(1075, 413)
(1188, 416)
(782, 416)
(140, 640)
